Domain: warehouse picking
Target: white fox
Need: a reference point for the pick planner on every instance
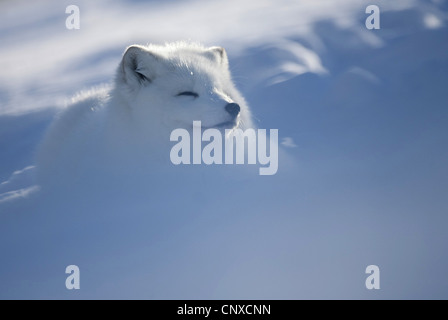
(156, 90)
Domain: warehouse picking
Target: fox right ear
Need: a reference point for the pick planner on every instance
(139, 66)
(218, 55)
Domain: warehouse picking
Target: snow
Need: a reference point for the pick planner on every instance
(362, 176)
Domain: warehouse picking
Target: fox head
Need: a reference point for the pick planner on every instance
(177, 84)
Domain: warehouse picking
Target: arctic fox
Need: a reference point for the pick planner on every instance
(156, 90)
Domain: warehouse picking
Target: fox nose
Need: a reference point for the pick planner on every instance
(233, 109)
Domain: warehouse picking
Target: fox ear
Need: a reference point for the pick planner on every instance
(219, 55)
(139, 66)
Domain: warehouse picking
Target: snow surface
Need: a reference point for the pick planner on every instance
(362, 118)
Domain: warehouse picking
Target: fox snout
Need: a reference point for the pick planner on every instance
(233, 108)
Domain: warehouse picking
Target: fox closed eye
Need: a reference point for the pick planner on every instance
(188, 93)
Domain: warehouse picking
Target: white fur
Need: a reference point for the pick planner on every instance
(133, 120)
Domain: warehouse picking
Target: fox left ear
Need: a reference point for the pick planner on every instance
(139, 66)
(219, 55)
